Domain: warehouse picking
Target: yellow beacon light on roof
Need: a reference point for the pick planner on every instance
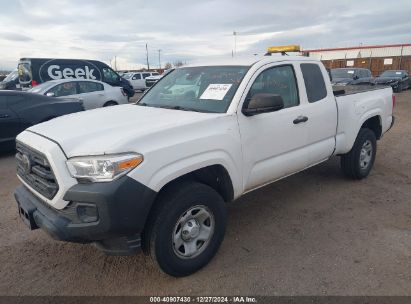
(283, 49)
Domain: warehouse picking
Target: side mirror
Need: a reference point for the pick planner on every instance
(263, 103)
(50, 94)
(355, 77)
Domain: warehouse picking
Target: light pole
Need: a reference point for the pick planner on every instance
(159, 60)
(148, 65)
(235, 43)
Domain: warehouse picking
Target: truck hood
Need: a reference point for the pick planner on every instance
(116, 129)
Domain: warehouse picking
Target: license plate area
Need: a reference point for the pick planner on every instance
(26, 215)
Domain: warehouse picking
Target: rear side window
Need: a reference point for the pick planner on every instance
(314, 82)
(145, 75)
(136, 77)
(87, 87)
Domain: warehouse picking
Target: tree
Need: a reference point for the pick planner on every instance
(178, 63)
(168, 66)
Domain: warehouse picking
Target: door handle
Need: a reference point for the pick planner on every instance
(4, 115)
(300, 119)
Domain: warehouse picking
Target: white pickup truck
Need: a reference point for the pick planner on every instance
(157, 174)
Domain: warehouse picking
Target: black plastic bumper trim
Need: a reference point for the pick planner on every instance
(123, 206)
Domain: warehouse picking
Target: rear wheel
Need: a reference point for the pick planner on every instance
(358, 163)
(110, 104)
(187, 228)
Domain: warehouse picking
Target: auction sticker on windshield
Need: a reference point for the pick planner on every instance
(215, 91)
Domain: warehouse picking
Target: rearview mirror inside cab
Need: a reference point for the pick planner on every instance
(263, 103)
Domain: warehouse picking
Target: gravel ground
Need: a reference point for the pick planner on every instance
(315, 233)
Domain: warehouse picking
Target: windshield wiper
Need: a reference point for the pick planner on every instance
(173, 107)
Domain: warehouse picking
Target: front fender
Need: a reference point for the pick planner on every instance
(168, 172)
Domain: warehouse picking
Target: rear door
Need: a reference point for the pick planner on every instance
(91, 93)
(321, 112)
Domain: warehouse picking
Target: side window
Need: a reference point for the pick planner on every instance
(277, 80)
(110, 75)
(88, 86)
(154, 74)
(314, 82)
(136, 77)
(145, 75)
(64, 89)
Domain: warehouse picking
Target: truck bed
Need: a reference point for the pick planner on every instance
(357, 104)
(354, 89)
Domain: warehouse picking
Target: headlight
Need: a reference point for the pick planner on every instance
(103, 168)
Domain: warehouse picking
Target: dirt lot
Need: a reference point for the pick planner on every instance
(315, 233)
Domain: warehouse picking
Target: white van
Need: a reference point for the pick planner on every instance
(138, 79)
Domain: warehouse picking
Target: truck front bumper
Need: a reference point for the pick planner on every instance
(112, 215)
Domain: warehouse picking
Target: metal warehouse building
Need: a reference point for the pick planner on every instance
(377, 58)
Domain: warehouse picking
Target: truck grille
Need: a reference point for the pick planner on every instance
(150, 83)
(35, 170)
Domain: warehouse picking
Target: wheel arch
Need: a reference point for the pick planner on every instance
(373, 123)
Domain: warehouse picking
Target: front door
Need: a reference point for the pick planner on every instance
(9, 122)
(273, 143)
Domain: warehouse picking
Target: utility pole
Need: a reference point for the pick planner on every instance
(148, 65)
(115, 63)
(235, 43)
(159, 60)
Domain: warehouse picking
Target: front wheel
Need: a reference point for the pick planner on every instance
(186, 228)
(358, 163)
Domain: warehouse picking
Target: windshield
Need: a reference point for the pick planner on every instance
(201, 89)
(12, 76)
(392, 74)
(41, 87)
(342, 73)
(126, 75)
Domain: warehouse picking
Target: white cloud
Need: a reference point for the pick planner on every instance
(190, 30)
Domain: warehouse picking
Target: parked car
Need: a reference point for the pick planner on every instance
(34, 71)
(20, 110)
(351, 76)
(11, 82)
(157, 174)
(138, 79)
(398, 79)
(93, 94)
(151, 80)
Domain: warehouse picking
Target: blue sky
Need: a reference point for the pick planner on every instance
(190, 30)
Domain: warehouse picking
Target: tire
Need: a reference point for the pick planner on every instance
(358, 163)
(110, 104)
(178, 206)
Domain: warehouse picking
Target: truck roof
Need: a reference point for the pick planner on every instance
(249, 61)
